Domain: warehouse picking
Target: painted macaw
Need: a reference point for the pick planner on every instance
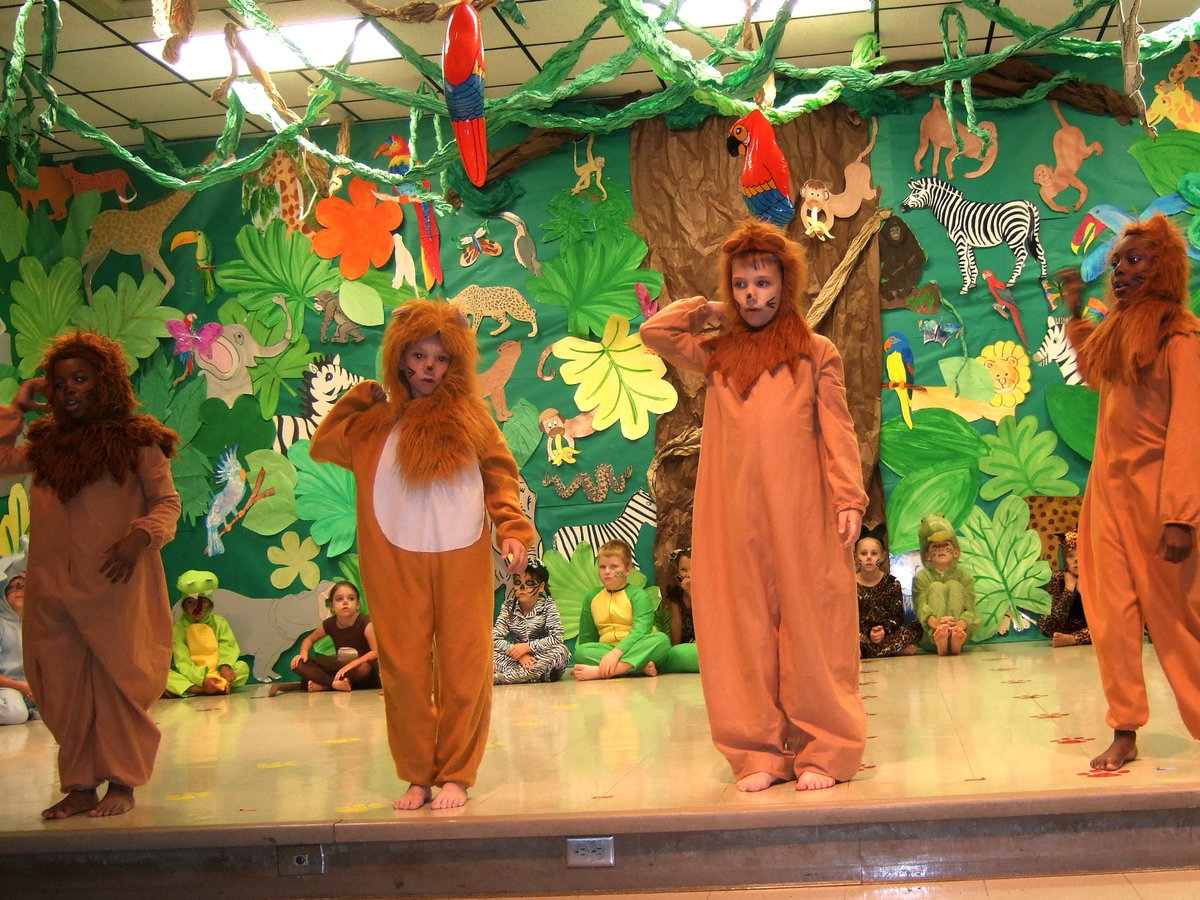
(225, 501)
(400, 161)
(1005, 303)
(204, 258)
(901, 369)
(766, 182)
(462, 77)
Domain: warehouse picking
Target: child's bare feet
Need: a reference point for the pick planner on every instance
(1122, 750)
(651, 670)
(1064, 640)
(586, 673)
(341, 684)
(451, 796)
(118, 799)
(958, 637)
(415, 797)
(283, 687)
(814, 781)
(756, 781)
(73, 804)
(941, 640)
(314, 688)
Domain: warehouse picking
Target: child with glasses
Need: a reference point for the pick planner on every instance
(528, 634)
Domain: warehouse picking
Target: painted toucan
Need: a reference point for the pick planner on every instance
(463, 76)
(400, 161)
(766, 182)
(204, 258)
(901, 369)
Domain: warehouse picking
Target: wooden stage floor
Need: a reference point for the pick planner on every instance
(976, 767)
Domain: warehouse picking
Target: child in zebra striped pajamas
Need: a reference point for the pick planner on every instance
(528, 633)
(616, 633)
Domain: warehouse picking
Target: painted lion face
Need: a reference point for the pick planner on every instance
(1008, 364)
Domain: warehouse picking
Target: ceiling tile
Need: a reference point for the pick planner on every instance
(162, 103)
(208, 21)
(645, 82)
(112, 68)
(78, 31)
(508, 67)
(292, 86)
(377, 109)
(92, 112)
(425, 39)
(205, 126)
(390, 72)
(559, 21)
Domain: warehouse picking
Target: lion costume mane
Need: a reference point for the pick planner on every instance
(67, 455)
(742, 353)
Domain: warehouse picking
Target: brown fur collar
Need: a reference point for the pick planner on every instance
(1132, 336)
(743, 354)
(66, 457)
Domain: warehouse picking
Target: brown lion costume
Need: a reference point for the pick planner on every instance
(67, 455)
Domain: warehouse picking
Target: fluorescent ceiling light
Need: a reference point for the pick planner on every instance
(709, 13)
(324, 43)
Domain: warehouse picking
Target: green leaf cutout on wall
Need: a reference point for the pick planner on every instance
(179, 409)
(325, 496)
(84, 209)
(272, 373)
(947, 487)
(130, 315)
(1003, 554)
(1074, 410)
(1022, 462)
(240, 424)
(937, 435)
(968, 378)
(191, 471)
(576, 581)
(270, 515)
(1168, 158)
(521, 431)
(44, 304)
(14, 225)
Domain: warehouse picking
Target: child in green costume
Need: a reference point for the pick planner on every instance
(204, 652)
(943, 593)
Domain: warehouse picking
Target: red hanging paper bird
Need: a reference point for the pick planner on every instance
(463, 74)
(766, 182)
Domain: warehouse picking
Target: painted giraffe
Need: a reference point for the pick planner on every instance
(134, 232)
(285, 176)
(1176, 104)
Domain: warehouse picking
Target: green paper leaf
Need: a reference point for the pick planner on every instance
(361, 303)
(1074, 411)
(272, 514)
(1003, 554)
(521, 432)
(937, 436)
(44, 305)
(1165, 160)
(241, 424)
(130, 316)
(968, 378)
(325, 496)
(42, 240)
(191, 471)
(84, 209)
(272, 373)
(1022, 462)
(14, 225)
(947, 487)
(573, 583)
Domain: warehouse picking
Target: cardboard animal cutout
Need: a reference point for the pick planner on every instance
(818, 200)
(1056, 349)
(1176, 104)
(935, 131)
(267, 627)
(524, 248)
(638, 512)
(1188, 67)
(970, 224)
(593, 167)
(595, 490)
(494, 379)
(406, 266)
(477, 245)
(901, 260)
(115, 180)
(53, 187)
(333, 316)
(231, 478)
(477, 303)
(234, 353)
(1070, 150)
(560, 432)
(324, 383)
(1005, 303)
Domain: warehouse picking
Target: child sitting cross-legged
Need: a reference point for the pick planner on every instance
(616, 633)
(943, 592)
(353, 665)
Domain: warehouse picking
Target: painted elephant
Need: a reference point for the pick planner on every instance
(226, 365)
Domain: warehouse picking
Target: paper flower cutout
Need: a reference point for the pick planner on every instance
(358, 230)
(295, 560)
(1008, 364)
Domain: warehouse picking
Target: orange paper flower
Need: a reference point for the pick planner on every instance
(360, 231)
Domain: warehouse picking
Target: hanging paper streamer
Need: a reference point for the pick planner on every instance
(766, 181)
(463, 74)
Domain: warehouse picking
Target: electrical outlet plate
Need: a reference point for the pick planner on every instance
(300, 859)
(590, 851)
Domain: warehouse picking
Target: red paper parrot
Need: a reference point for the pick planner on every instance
(1005, 304)
(400, 161)
(462, 74)
(766, 182)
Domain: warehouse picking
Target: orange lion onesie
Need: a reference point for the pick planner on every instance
(774, 598)
(430, 471)
(1137, 561)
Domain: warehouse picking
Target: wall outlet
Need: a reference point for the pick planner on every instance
(300, 859)
(590, 851)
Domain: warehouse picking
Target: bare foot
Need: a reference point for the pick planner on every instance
(73, 804)
(586, 673)
(910, 650)
(1064, 640)
(118, 799)
(814, 781)
(958, 638)
(415, 797)
(1122, 750)
(314, 688)
(650, 670)
(451, 796)
(756, 781)
(941, 640)
(285, 687)
(341, 684)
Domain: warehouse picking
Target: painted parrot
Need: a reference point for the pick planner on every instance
(400, 161)
(204, 258)
(225, 501)
(462, 77)
(1005, 303)
(766, 182)
(901, 370)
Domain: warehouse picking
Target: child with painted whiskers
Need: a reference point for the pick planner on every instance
(353, 662)
(1137, 530)
(527, 637)
(943, 591)
(97, 649)
(616, 635)
(881, 626)
(1066, 623)
(779, 501)
(431, 469)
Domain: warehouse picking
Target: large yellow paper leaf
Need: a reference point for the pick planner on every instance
(15, 522)
(617, 377)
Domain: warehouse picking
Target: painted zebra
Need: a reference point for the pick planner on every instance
(1058, 350)
(970, 224)
(638, 512)
(324, 381)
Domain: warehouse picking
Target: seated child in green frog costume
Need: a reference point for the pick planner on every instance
(204, 656)
(943, 593)
(616, 629)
